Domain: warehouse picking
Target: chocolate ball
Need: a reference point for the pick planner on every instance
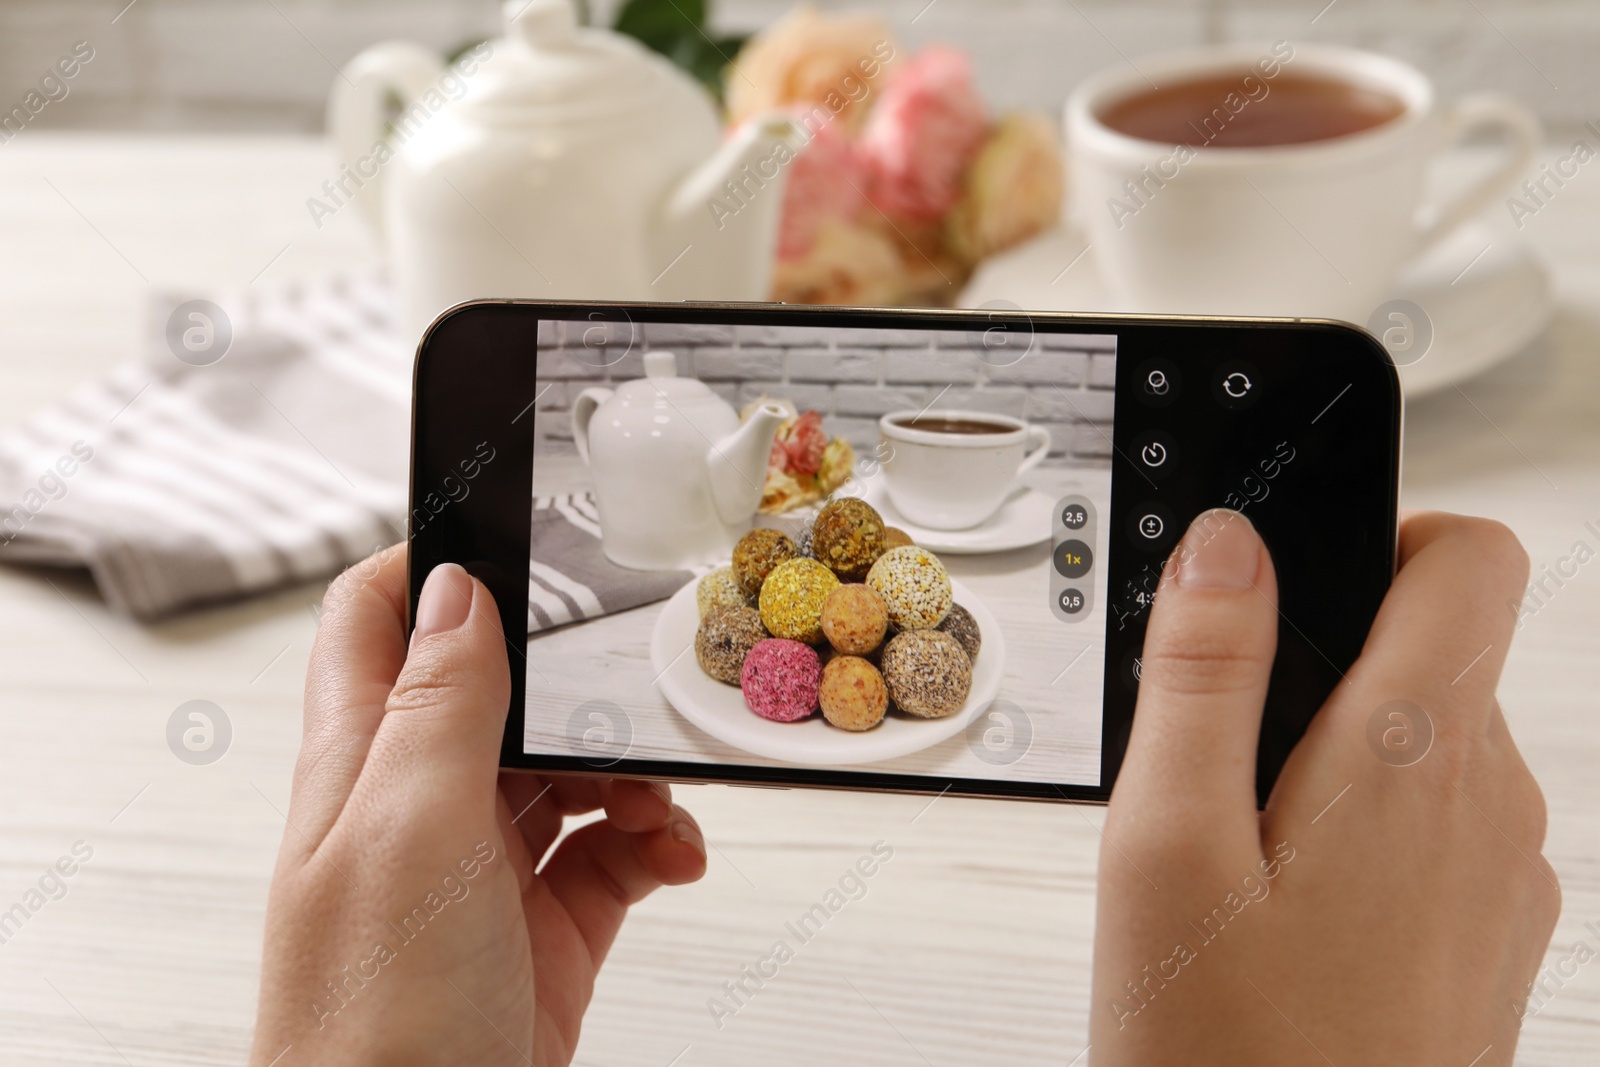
(854, 619)
(853, 695)
(726, 636)
(792, 598)
(780, 680)
(928, 674)
(894, 537)
(756, 554)
(914, 586)
(718, 589)
(847, 537)
(960, 625)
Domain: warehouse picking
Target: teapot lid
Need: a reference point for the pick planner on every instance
(547, 61)
(661, 380)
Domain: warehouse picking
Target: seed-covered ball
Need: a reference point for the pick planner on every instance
(847, 537)
(792, 599)
(894, 537)
(854, 619)
(780, 680)
(852, 695)
(803, 546)
(726, 636)
(927, 673)
(719, 589)
(914, 587)
(960, 625)
(757, 553)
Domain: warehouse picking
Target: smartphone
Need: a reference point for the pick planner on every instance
(597, 465)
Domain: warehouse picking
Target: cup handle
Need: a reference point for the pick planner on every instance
(1040, 450)
(1482, 112)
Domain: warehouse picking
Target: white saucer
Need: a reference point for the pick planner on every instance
(1023, 520)
(1487, 296)
(720, 711)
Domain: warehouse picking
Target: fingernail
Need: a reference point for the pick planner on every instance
(446, 601)
(684, 831)
(1221, 550)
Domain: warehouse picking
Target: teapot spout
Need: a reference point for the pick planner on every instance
(737, 465)
(722, 219)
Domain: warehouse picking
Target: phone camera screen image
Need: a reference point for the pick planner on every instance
(821, 547)
(891, 550)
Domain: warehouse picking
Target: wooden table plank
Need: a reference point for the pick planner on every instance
(971, 945)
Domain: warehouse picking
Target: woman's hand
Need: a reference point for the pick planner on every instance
(410, 920)
(1385, 908)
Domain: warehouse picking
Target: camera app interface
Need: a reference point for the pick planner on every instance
(839, 548)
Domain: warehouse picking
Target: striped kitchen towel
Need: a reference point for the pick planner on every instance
(569, 577)
(250, 444)
(264, 443)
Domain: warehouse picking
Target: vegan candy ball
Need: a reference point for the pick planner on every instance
(927, 673)
(914, 586)
(960, 625)
(792, 598)
(852, 695)
(719, 589)
(847, 538)
(780, 679)
(894, 537)
(854, 619)
(726, 635)
(757, 553)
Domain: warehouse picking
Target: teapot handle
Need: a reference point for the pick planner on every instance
(358, 113)
(583, 409)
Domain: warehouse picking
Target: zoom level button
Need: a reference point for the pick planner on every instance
(1073, 559)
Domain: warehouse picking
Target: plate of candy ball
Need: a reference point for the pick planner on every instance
(856, 649)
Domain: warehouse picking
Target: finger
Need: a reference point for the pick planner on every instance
(1189, 772)
(538, 807)
(600, 871)
(443, 723)
(638, 805)
(359, 650)
(1437, 644)
(523, 863)
(1440, 638)
(532, 813)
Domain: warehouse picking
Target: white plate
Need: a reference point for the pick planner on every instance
(1486, 296)
(1023, 520)
(720, 710)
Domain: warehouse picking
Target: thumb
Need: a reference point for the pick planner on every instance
(1190, 764)
(445, 717)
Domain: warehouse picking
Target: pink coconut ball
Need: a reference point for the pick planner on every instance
(780, 679)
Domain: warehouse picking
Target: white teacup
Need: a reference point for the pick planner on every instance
(1307, 228)
(950, 470)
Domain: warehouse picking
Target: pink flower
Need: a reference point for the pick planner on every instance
(805, 443)
(807, 58)
(825, 182)
(922, 135)
(1012, 190)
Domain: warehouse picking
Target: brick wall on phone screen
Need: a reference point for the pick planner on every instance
(851, 376)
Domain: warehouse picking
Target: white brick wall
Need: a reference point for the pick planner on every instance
(267, 64)
(854, 376)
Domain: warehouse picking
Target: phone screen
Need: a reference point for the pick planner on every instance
(958, 479)
(886, 550)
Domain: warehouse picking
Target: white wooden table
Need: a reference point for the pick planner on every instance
(972, 944)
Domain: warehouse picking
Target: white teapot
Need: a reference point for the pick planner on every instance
(557, 161)
(677, 478)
